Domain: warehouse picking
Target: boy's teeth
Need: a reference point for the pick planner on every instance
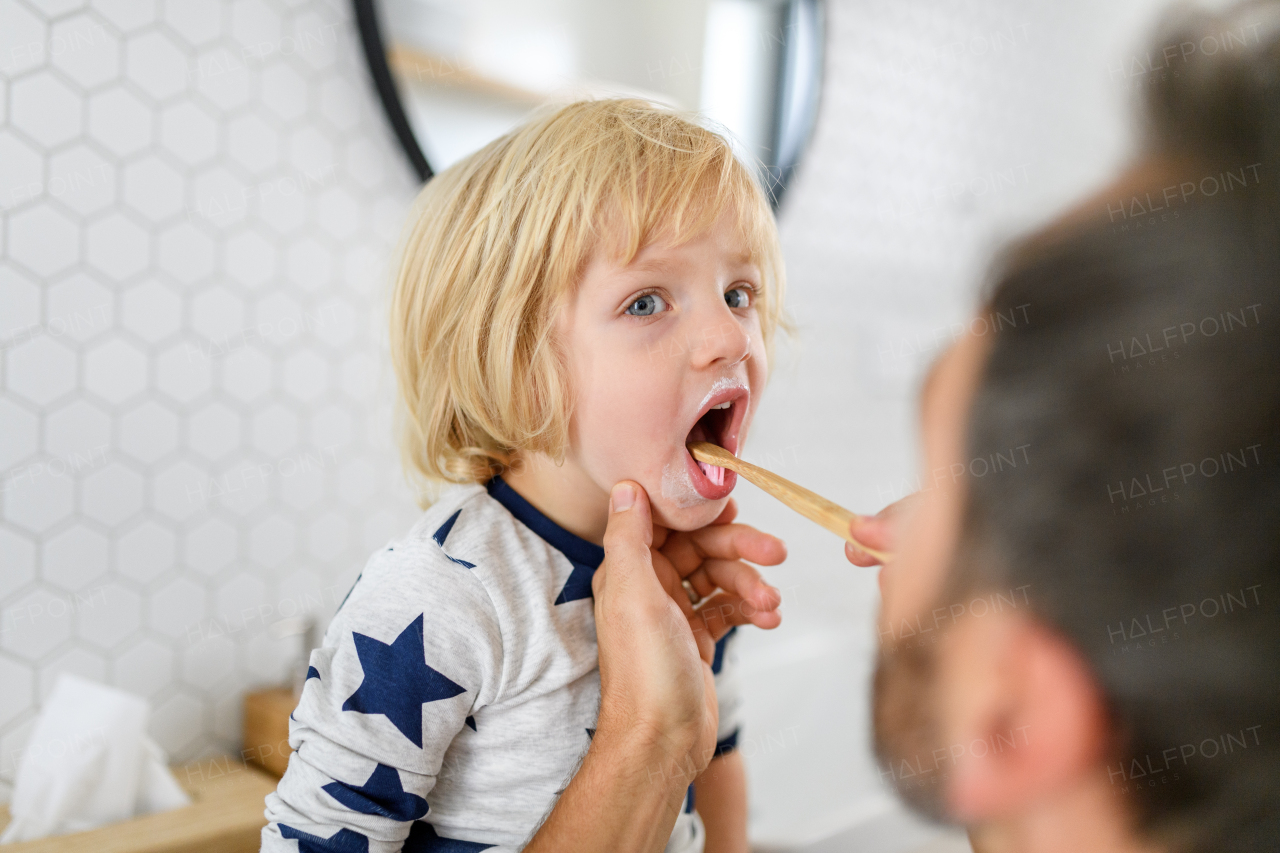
(722, 406)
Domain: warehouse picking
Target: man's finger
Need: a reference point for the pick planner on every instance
(701, 582)
(877, 532)
(873, 531)
(738, 578)
(686, 551)
(703, 638)
(629, 529)
(670, 580)
(859, 557)
(724, 610)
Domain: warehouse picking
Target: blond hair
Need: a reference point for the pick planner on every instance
(498, 241)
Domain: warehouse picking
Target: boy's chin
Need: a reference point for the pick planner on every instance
(673, 516)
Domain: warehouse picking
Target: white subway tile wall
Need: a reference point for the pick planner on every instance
(199, 201)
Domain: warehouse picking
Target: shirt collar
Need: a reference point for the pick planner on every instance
(577, 549)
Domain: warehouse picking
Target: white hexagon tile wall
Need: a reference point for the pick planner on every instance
(199, 199)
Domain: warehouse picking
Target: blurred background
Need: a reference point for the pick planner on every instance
(199, 200)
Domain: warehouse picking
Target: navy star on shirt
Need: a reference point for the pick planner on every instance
(578, 585)
(342, 841)
(382, 794)
(353, 586)
(423, 839)
(312, 672)
(443, 534)
(718, 660)
(397, 681)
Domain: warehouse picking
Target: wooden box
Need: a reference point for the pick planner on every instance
(266, 728)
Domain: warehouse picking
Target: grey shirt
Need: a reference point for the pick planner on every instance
(456, 690)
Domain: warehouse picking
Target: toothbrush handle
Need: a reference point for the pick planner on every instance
(811, 505)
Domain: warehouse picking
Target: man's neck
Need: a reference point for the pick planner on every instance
(563, 493)
(1093, 816)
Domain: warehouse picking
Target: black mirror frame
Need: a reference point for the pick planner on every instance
(375, 57)
(798, 93)
(797, 96)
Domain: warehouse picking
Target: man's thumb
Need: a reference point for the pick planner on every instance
(629, 527)
(872, 531)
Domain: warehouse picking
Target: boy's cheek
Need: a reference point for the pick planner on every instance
(627, 448)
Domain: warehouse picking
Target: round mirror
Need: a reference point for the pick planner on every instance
(453, 75)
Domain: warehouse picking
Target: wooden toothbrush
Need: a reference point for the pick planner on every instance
(809, 504)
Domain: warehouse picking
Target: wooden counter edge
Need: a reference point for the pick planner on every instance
(226, 816)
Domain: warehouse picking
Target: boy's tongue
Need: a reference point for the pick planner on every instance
(714, 473)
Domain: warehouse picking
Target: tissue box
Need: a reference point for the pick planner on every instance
(226, 816)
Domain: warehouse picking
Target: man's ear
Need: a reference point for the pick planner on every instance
(1027, 712)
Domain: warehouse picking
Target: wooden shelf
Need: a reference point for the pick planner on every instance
(225, 817)
(424, 69)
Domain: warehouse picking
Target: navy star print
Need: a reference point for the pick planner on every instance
(443, 534)
(353, 586)
(397, 681)
(382, 794)
(423, 839)
(342, 841)
(578, 585)
(718, 660)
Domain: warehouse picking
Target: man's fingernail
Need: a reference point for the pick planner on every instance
(622, 497)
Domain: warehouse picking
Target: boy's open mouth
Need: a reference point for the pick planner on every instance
(718, 422)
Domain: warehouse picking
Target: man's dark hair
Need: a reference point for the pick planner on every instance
(1146, 387)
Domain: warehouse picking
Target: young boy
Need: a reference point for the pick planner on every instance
(574, 302)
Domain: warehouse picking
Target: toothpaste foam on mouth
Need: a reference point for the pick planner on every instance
(714, 473)
(677, 487)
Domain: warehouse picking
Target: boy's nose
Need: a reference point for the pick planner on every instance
(721, 338)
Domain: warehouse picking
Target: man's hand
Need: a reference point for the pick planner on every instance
(657, 726)
(654, 684)
(711, 558)
(878, 531)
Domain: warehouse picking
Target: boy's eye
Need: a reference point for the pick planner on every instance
(650, 303)
(738, 297)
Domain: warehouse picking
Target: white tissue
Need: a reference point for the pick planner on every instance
(89, 763)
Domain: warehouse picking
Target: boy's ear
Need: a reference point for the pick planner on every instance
(1029, 716)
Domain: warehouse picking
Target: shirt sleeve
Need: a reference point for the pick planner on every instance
(411, 654)
(724, 668)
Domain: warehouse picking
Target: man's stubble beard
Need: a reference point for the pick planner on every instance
(905, 723)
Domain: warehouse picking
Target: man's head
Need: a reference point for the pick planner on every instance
(1081, 635)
